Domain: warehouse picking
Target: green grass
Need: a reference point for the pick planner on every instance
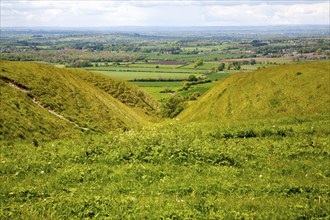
(155, 88)
(156, 91)
(190, 57)
(129, 71)
(220, 75)
(259, 170)
(195, 89)
(136, 65)
(145, 75)
(84, 100)
(147, 69)
(22, 119)
(296, 89)
(274, 165)
(159, 84)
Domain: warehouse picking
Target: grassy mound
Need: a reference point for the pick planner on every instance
(41, 101)
(288, 90)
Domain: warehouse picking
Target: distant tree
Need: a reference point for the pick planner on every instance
(245, 62)
(198, 62)
(80, 63)
(172, 106)
(253, 62)
(237, 65)
(192, 78)
(186, 86)
(219, 67)
(193, 96)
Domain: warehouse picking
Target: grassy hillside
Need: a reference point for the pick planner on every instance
(275, 168)
(41, 101)
(287, 90)
(21, 118)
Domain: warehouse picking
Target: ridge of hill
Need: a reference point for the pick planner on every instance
(42, 101)
(282, 91)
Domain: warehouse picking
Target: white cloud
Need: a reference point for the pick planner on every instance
(162, 13)
(265, 14)
(125, 15)
(297, 14)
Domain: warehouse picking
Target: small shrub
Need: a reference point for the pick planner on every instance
(266, 133)
(167, 91)
(246, 134)
(172, 106)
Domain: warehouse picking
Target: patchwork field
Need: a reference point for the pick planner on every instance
(158, 76)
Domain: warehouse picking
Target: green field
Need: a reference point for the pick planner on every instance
(155, 88)
(146, 71)
(156, 91)
(159, 84)
(144, 75)
(191, 57)
(150, 68)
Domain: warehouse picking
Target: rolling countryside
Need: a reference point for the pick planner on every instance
(263, 159)
(171, 110)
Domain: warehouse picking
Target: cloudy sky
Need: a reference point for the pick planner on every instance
(83, 13)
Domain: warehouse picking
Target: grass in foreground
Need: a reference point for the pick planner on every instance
(260, 170)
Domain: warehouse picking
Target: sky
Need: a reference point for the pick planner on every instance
(99, 13)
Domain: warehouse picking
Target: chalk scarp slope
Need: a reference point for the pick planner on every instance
(287, 90)
(49, 102)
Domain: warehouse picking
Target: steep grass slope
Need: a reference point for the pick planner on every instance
(288, 90)
(21, 118)
(41, 101)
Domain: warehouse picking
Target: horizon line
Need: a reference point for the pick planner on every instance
(163, 26)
